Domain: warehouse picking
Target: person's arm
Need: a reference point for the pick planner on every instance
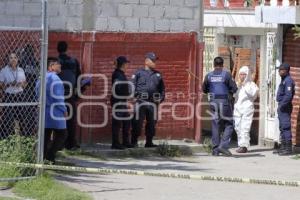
(2, 81)
(59, 92)
(232, 87)
(205, 85)
(288, 94)
(134, 80)
(37, 89)
(251, 90)
(22, 79)
(161, 89)
(78, 72)
(121, 88)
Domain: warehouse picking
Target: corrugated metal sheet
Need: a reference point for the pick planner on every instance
(291, 55)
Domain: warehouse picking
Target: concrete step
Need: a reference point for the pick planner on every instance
(103, 150)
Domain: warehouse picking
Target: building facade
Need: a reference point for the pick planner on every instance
(286, 15)
(100, 30)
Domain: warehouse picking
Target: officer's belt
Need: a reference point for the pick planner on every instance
(218, 96)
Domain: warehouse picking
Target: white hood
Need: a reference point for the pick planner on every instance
(246, 70)
(246, 94)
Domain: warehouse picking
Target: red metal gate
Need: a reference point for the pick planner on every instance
(178, 52)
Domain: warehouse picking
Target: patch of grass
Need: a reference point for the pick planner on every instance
(16, 148)
(296, 157)
(207, 145)
(79, 153)
(164, 149)
(45, 187)
(8, 198)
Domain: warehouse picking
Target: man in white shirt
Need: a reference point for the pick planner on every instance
(12, 84)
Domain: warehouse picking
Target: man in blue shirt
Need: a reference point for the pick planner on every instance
(220, 86)
(285, 95)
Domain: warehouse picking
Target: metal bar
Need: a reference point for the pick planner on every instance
(42, 99)
(9, 28)
(19, 104)
(201, 21)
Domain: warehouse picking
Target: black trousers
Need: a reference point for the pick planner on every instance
(148, 111)
(54, 141)
(117, 124)
(71, 125)
(12, 113)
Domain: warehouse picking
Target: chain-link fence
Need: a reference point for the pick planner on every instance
(21, 66)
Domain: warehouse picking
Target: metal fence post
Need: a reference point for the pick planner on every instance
(44, 52)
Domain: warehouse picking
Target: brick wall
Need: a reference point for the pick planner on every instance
(177, 52)
(105, 15)
(291, 48)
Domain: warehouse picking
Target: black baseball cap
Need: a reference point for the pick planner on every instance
(122, 60)
(284, 66)
(151, 56)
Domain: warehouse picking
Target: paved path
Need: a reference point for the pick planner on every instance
(259, 163)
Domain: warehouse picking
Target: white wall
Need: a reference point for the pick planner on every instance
(105, 15)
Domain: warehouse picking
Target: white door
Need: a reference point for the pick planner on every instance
(273, 80)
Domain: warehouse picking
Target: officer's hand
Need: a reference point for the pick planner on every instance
(133, 100)
(130, 107)
(66, 114)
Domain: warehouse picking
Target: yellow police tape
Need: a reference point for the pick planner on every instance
(154, 174)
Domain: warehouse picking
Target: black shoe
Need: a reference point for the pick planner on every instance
(117, 146)
(150, 145)
(129, 146)
(215, 153)
(288, 150)
(280, 149)
(225, 152)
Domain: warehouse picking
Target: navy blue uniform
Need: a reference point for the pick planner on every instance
(284, 98)
(121, 90)
(220, 86)
(149, 92)
(70, 71)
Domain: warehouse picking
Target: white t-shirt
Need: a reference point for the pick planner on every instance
(8, 75)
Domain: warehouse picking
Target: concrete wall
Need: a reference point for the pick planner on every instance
(105, 15)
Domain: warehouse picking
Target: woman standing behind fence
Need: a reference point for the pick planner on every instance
(244, 108)
(12, 82)
(31, 69)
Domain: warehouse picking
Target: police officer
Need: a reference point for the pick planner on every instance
(120, 95)
(220, 86)
(284, 98)
(149, 93)
(70, 71)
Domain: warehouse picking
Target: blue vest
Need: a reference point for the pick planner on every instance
(217, 83)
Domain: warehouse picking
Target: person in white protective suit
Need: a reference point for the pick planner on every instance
(244, 108)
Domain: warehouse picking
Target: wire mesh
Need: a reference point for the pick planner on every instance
(20, 69)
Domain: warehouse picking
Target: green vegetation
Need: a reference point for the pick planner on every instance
(17, 148)
(297, 31)
(296, 157)
(207, 145)
(8, 198)
(164, 149)
(44, 187)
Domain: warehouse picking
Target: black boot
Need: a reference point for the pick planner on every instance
(149, 143)
(288, 149)
(134, 141)
(117, 146)
(281, 148)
